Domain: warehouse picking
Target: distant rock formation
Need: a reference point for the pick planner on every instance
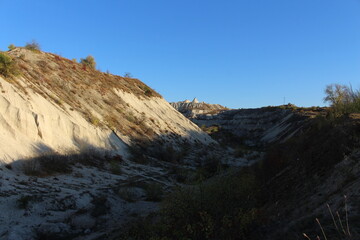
(259, 126)
(194, 108)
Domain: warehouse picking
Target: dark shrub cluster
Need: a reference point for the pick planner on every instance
(89, 61)
(224, 208)
(33, 46)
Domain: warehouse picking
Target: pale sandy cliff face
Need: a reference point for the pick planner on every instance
(58, 105)
(82, 121)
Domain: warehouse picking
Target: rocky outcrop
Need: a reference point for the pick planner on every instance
(194, 108)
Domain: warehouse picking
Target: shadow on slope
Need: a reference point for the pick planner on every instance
(300, 176)
(48, 162)
(279, 197)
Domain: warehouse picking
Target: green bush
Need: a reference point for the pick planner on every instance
(154, 192)
(137, 155)
(11, 47)
(148, 92)
(47, 165)
(89, 61)
(343, 100)
(33, 46)
(224, 208)
(8, 67)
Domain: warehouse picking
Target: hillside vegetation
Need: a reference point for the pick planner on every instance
(279, 197)
(343, 99)
(77, 85)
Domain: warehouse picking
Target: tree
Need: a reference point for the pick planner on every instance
(343, 99)
(89, 61)
(127, 75)
(337, 94)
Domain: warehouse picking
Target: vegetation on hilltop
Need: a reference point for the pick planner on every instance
(8, 66)
(72, 86)
(33, 46)
(11, 47)
(89, 61)
(343, 99)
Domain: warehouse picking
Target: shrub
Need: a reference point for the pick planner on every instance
(343, 99)
(94, 120)
(33, 46)
(8, 67)
(166, 153)
(11, 47)
(23, 201)
(208, 168)
(100, 206)
(127, 75)
(148, 92)
(128, 194)
(115, 167)
(137, 154)
(223, 208)
(47, 165)
(154, 192)
(89, 61)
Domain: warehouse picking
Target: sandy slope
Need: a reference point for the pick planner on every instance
(57, 105)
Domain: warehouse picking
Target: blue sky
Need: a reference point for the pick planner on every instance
(238, 53)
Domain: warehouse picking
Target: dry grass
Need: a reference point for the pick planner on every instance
(71, 85)
(340, 226)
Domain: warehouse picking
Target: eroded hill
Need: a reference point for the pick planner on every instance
(58, 105)
(72, 152)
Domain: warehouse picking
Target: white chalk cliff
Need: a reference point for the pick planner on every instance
(59, 105)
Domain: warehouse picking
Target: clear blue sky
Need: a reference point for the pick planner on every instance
(238, 53)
